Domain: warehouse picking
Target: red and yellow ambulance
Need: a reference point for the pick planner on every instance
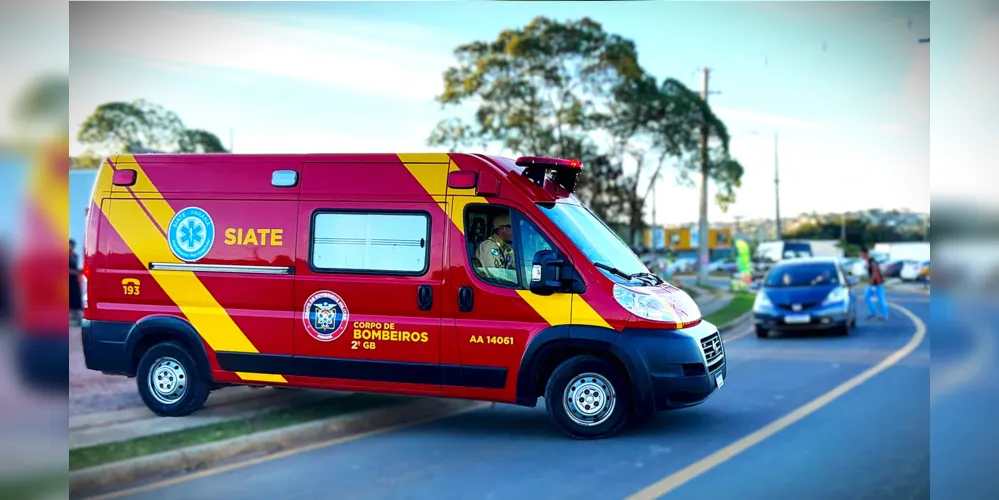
(451, 275)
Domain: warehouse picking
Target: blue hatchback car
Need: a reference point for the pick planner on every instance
(805, 294)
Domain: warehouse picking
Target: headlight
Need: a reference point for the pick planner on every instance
(762, 302)
(652, 306)
(835, 296)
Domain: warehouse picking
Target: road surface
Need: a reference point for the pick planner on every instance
(872, 441)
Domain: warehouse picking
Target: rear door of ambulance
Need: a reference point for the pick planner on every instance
(209, 239)
(368, 289)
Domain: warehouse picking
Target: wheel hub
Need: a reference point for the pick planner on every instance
(589, 399)
(167, 380)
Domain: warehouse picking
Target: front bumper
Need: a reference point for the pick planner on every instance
(676, 368)
(818, 318)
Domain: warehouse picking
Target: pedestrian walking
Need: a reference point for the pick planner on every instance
(875, 287)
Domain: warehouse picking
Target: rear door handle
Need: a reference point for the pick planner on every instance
(465, 299)
(425, 297)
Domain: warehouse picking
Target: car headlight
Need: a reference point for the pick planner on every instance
(762, 302)
(835, 296)
(652, 306)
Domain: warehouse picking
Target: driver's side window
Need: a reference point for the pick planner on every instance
(501, 243)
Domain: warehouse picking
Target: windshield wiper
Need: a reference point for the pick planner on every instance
(656, 280)
(613, 269)
(627, 276)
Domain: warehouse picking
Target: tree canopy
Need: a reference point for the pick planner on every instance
(571, 89)
(120, 127)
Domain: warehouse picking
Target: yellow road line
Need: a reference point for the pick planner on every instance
(692, 471)
(282, 454)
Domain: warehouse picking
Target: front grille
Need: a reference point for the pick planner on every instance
(712, 348)
(804, 305)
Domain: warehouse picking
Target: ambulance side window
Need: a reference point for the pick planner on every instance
(394, 243)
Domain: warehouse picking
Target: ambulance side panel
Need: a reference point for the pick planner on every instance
(373, 238)
(198, 246)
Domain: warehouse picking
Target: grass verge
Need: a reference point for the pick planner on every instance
(740, 304)
(148, 445)
(35, 487)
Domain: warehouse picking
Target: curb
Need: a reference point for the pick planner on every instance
(222, 397)
(731, 325)
(99, 477)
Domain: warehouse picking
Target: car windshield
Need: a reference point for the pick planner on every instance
(803, 275)
(598, 242)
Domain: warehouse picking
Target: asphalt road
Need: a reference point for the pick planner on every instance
(751, 440)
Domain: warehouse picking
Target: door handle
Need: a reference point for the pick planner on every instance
(425, 297)
(465, 299)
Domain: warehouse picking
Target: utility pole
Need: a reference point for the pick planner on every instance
(842, 229)
(230, 140)
(703, 252)
(780, 234)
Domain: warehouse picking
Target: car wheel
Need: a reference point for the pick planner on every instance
(588, 398)
(762, 332)
(168, 381)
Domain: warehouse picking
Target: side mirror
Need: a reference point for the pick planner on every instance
(551, 273)
(546, 272)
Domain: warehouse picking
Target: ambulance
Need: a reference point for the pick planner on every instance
(444, 275)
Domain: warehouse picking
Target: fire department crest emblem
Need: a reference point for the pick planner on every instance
(325, 316)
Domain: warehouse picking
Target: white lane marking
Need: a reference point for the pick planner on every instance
(677, 479)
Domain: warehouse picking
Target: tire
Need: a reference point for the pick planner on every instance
(608, 385)
(172, 366)
(762, 332)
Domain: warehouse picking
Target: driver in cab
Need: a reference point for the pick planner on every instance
(496, 252)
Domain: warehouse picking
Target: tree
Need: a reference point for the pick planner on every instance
(47, 99)
(657, 123)
(541, 90)
(558, 89)
(119, 127)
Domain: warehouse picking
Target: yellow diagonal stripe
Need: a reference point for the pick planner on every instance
(184, 288)
(555, 309)
(49, 192)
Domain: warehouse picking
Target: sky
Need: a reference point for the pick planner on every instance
(844, 86)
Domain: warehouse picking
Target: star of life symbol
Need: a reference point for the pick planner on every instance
(191, 234)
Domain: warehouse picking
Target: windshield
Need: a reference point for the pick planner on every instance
(797, 250)
(597, 241)
(803, 275)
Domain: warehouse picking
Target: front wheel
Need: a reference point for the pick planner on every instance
(588, 398)
(168, 381)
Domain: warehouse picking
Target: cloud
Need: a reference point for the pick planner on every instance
(894, 128)
(756, 118)
(916, 86)
(329, 56)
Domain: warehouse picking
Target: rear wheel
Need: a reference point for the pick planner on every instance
(762, 332)
(588, 398)
(168, 381)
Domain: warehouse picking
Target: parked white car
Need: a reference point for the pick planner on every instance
(911, 270)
